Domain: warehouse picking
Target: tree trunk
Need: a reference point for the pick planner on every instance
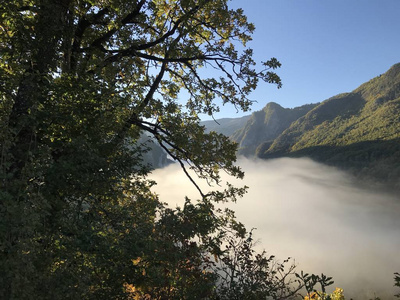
(18, 229)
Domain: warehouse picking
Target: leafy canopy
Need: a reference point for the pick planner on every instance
(80, 81)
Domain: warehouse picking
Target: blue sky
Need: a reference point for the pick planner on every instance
(326, 47)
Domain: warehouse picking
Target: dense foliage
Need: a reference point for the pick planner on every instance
(81, 82)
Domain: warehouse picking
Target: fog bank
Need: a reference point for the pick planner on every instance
(317, 215)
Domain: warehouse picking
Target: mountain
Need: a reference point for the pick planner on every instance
(369, 113)
(226, 126)
(357, 131)
(266, 125)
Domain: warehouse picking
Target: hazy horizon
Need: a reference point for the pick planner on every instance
(315, 214)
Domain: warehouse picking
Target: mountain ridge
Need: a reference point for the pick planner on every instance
(357, 131)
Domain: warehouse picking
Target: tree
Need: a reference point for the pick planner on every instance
(246, 274)
(80, 81)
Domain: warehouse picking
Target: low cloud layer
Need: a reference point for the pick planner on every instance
(317, 215)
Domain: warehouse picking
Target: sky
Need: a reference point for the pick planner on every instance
(326, 47)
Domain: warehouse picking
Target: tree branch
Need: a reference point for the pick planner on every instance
(161, 140)
(126, 20)
(153, 88)
(133, 50)
(83, 24)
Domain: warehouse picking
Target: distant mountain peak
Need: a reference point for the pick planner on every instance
(382, 88)
(394, 70)
(272, 105)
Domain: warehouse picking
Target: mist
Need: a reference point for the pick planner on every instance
(315, 214)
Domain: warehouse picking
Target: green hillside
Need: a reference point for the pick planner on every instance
(358, 130)
(266, 125)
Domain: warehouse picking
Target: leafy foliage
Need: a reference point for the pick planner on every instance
(397, 282)
(337, 294)
(246, 274)
(81, 82)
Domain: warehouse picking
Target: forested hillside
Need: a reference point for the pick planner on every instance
(369, 113)
(357, 131)
(266, 125)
